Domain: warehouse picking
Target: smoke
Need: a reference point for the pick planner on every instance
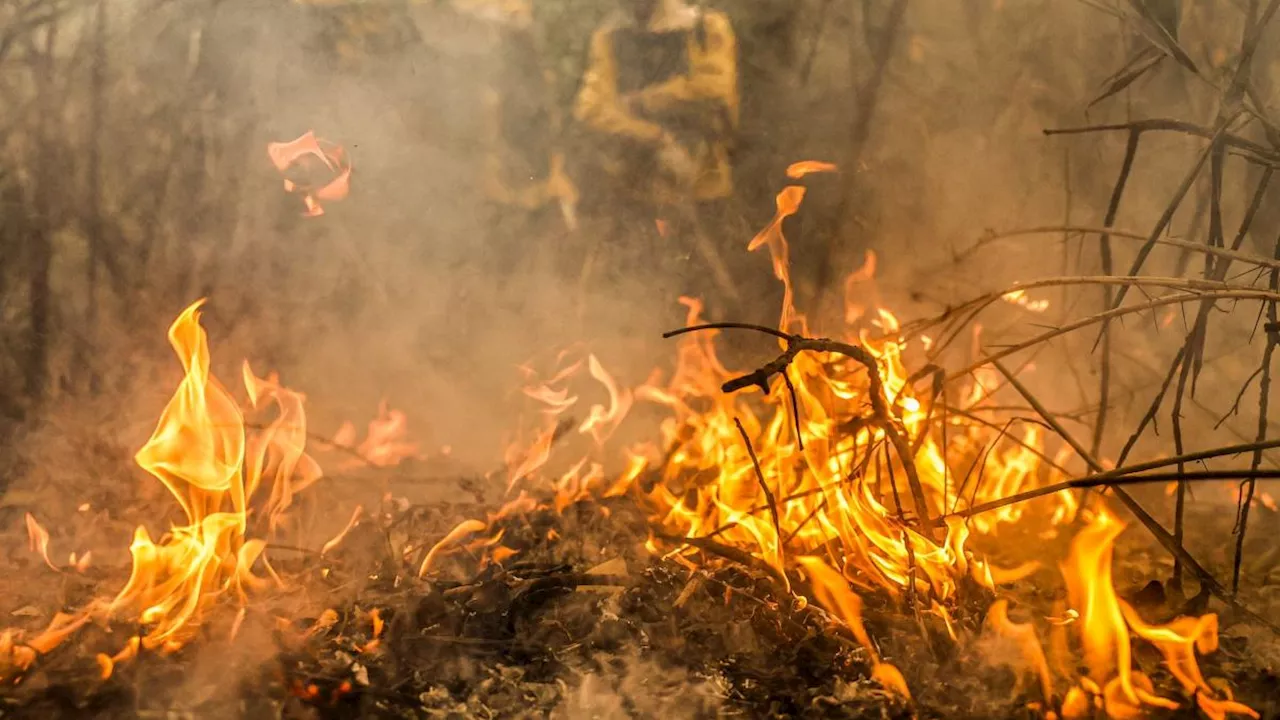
(414, 290)
(630, 686)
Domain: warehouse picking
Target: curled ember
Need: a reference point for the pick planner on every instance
(316, 170)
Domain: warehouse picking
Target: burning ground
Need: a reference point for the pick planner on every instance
(840, 528)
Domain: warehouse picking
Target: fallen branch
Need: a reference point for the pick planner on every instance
(879, 404)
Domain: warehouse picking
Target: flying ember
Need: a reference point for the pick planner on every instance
(314, 169)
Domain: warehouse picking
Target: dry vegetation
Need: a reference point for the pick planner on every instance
(1109, 157)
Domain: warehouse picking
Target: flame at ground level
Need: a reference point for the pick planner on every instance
(215, 471)
(825, 478)
(1105, 625)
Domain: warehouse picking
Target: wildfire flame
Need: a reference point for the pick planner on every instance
(837, 485)
(386, 442)
(1105, 624)
(804, 478)
(200, 451)
(38, 540)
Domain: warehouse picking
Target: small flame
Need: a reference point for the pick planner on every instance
(375, 618)
(805, 167)
(38, 540)
(464, 529)
(1024, 638)
(81, 562)
(1105, 624)
(386, 442)
(788, 203)
(337, 539)
(833, 593)
(601, 423)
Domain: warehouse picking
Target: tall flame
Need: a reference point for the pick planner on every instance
(201, 453)
(198, 452)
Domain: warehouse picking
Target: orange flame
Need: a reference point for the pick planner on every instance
(833, 592)
(337, 539)
(1105, 623)
(456, 535)
(806, 167)
(1023, 636)
(601, 423)
(38, 540)
(200, 452)
(788, 203)
(386, 442)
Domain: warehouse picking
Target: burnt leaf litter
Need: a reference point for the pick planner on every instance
(584, 621)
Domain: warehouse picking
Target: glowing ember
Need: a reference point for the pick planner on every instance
(1019, 298)
(805, 167)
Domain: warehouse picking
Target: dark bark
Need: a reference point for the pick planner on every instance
(40, 232)
(94, 225)
(868, 97)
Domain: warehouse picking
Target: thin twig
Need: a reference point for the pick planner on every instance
(1171, 208)
(1108, 480)
(1161, 535)
(1237, 294)
(991, 237)
(1264, 399)
(768, 494)
(1253, 151)
(1104, 246)
(795, 410)
(879, 404)
(1154, 408)
(729, 553)
(1179, 504)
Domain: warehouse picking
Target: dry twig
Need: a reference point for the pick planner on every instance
(879, 404)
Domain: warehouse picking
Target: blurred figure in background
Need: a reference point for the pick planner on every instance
(355, 33)
(659, 107)
(530, 196)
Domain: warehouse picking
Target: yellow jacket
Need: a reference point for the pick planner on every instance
(711, 78)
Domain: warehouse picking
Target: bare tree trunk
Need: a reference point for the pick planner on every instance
(94, 228)
(40, 234)
(868, 97)
(13, 233)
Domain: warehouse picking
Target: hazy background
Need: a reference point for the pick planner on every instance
(134, 179)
